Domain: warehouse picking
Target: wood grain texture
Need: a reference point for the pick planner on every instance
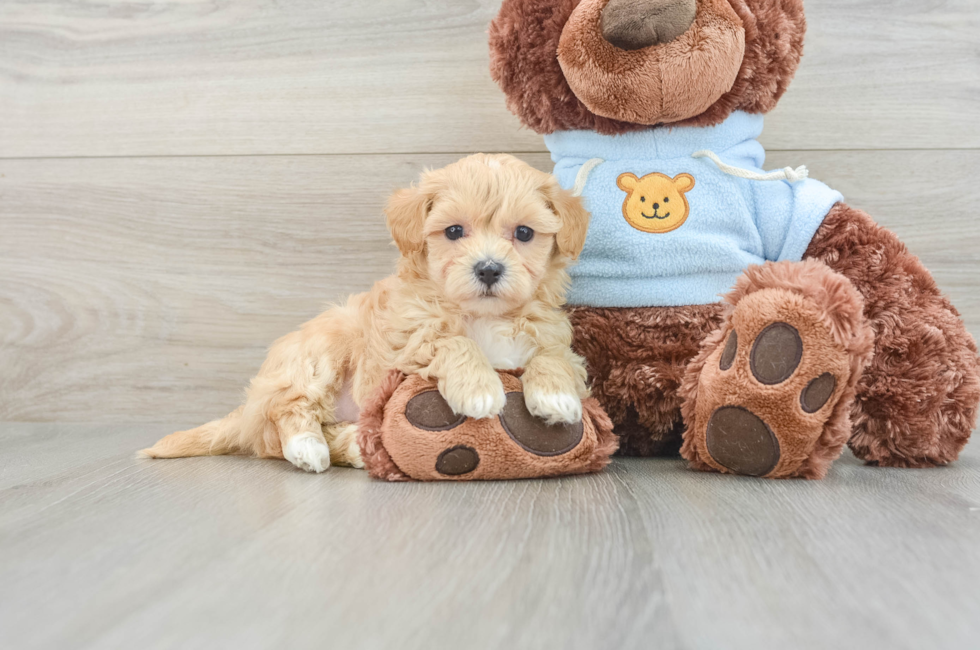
(101, 550)
(147, 290)
(195, 77)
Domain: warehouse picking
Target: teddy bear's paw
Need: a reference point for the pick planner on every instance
(553, 408)
(768, 390)
(536, 435)
(423, 438)
(308, 451)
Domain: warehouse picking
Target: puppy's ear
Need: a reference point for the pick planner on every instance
(406, 212)
(574, 218)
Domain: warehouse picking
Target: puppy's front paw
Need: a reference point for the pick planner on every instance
(553, 408)
(308, 452)
(475, 398)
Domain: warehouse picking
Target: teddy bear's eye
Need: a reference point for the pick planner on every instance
(523, 233)
(454, 232)
(666, 199)
(643, 199)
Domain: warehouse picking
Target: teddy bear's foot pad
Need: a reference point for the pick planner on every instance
(768, 389)
(738, 439)
(409, 432)
(765, 404)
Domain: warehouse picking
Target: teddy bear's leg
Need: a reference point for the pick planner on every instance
(636, 359)
(771, 391)
(917, 401)
(407, 430)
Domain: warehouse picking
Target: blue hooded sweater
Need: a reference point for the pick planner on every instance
(671, 229)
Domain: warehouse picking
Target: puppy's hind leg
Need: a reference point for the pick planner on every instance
(303, 443)
(294, 406)
(342, 439)
(305, 420)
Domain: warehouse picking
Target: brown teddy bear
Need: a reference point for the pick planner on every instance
(829, 332)
(408, 432)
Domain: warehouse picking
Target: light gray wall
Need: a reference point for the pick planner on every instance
(181, 183)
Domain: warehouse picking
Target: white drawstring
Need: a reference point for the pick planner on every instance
(785, 174)
(582, 177)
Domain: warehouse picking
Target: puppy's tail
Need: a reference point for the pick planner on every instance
(215, 438)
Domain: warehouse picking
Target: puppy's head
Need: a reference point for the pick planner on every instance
(490, 232)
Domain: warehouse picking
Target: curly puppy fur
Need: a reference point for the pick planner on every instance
(524, 41)
(840, 308)
(434, 317)
(917, 401)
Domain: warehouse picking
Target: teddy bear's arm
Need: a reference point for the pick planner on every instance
(917, 400)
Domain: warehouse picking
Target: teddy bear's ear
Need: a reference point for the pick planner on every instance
(684, 183)
(627, 182)
(574, 218)
(406, 212)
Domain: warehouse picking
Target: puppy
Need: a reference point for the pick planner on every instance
(479, 286)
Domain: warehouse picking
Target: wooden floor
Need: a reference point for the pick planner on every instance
(183, 181)
(101, 550)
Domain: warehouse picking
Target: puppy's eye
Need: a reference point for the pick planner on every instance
(454, 232)
(523, 233)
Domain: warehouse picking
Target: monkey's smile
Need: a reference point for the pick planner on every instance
(655, 215)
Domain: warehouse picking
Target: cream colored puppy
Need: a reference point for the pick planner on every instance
(480, 283)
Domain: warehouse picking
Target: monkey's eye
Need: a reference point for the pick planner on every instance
(523, 233)
(454, 232)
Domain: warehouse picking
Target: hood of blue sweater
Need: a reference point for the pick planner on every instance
(717, 222)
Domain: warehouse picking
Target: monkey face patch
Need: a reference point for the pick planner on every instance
(655, 203)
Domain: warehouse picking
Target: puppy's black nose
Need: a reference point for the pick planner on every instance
(488, 272)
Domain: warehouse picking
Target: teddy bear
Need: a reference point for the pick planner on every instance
(408, 432)
(752, 321)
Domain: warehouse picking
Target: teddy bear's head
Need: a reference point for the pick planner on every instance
(614, 66)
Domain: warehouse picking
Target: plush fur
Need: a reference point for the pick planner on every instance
(828, 312)
(636, 360)
(917, 401)
(418, 320)
(664, 83)
(915, 404)
(376, 458)
(524, 42)
(385, 434)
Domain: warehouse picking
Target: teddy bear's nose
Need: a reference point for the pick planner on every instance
(656, 206)
(635, 24)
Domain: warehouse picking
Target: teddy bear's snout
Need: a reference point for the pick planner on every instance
(636, 24)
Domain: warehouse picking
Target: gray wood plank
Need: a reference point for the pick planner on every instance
(148, 289)
(101, 550)
(260, 76)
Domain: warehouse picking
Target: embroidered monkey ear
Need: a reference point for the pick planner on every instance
(684, 183)
(627, 182)
(406, 212)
